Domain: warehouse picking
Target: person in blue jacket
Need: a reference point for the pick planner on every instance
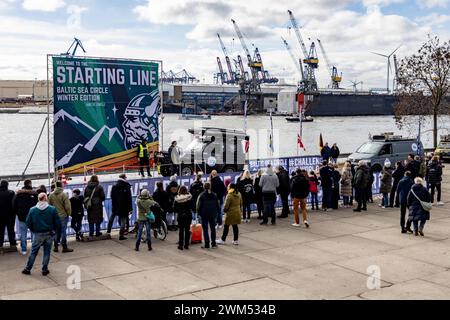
(417, 214)
(403, 188)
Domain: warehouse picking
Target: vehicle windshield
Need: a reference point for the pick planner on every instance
(195, 144)
(369, 148)
(444, 144)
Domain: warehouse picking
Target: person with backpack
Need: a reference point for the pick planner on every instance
(196, 189)
(144, 206)
(434, 179)
(76, 202)
(162, 198)
(361, 183)
(172, 191)
(25, 199)
(208, 208)
(122, 204)
(314, 190)
(258, 194)
(299, 193)
(59, 199)
(94, 195)
(183, 206)
(233, 214)
(245, 187)
(403, 188)
(418, 198)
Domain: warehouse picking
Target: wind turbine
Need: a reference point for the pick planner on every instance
(355, 83)
(388, 63)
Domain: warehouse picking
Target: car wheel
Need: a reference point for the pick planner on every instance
(187, 171)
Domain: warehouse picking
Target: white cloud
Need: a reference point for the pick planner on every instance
(434, 19)
(43, 5)
(368, 3)
(6, 4)
(433, 3)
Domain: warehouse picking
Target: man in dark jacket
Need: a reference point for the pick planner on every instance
(397, 175)
(434, 178)
(7, 216)
(326, 182)
(208, 208)
(196, 188)
(334, 152)
(218, 187)
(121, 204)
(403, 188)
(299, 193)
(361, 183)
(326, 152)
(24, 200)
(283, 190)
(413, 166)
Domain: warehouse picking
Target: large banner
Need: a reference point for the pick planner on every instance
(103, 109)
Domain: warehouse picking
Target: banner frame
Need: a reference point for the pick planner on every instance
(51, 165)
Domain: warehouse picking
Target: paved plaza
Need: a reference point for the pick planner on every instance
(335, 259)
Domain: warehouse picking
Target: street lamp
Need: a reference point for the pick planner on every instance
(34, 84)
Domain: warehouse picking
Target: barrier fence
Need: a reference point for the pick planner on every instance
(309, 163)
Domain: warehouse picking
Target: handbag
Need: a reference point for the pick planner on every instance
(427, 206)
(88, 201)
(151, 217)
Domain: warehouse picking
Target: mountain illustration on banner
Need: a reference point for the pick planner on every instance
(91, 144)
(62, 114)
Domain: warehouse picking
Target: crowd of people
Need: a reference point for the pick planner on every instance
(46, 215)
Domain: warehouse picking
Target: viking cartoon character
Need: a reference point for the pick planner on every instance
(141, 119)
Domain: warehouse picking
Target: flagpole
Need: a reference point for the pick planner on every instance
(245, 133)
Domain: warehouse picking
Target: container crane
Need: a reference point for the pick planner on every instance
(297, 63)
(335, 77)
(75, 44)
(221, 75)
(231, 73)
(255, 66)
(311, 61)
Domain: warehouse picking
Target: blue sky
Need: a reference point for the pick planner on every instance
(182, 32)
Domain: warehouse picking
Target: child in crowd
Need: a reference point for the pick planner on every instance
(313, 189)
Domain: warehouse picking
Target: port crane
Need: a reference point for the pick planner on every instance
(75, 44)
(297, 63)
(335, 77)
(221, 76)
(311, 61)
(232, 74)
(255, 66)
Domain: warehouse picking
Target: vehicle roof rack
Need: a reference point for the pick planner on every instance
(213, 130)
(389, 136)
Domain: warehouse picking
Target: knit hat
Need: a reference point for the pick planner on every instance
(145, 193)
(387, 163)
(173, 178)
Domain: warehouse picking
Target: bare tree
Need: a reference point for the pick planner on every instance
(424, 85)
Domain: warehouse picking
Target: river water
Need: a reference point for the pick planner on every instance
(19, 133)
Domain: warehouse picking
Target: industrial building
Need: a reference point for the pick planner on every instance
(23, 90)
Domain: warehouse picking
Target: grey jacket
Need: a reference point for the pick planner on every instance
(269, 182)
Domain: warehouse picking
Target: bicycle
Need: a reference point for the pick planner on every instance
(159, 232)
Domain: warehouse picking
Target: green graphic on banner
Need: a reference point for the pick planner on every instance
(103, 109)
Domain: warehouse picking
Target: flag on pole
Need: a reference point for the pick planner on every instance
(321, 142)
(271, 147)
(247, 138)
